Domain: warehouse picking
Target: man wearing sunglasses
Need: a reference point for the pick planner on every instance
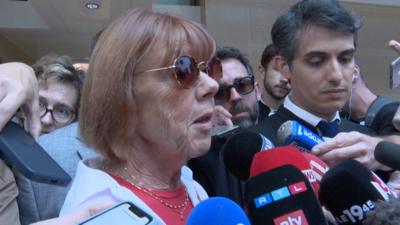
(237, 97)
(236, 104)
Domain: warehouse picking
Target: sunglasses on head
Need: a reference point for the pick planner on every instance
(187, 71)
(243, 86)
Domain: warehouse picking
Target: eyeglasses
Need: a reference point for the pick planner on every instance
(187, 71)
(242, 85)
(61, 114)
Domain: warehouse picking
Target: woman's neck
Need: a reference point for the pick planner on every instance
(149, 169)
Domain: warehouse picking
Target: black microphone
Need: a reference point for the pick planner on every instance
(239, 150)
(388, 153)
(282, 195)
(349, 190)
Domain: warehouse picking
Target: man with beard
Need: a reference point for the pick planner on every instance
(276, 86)
(238, 93)
(236, 104)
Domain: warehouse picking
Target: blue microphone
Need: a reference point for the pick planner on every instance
(217, 211)
(294, 133)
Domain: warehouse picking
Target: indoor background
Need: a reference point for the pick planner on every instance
(30, 29)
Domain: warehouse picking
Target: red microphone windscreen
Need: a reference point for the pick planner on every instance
(318, 167)
(285, 155)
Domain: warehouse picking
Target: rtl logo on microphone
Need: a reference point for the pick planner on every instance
(279, 194)
(293, 218)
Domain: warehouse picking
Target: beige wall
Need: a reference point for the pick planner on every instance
(10, 52)
(246, 24)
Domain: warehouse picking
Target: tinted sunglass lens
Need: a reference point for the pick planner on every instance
(244, 86)
(223, 94)
(186, 71)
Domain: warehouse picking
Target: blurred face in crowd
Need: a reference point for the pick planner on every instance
(321, 70)
(58, 102)
(274, 82)
(243, 107)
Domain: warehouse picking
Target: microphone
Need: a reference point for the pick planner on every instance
(388, 153)
(317, 166)
(294, 133)
(217, 211)
(239, 150)
(286, 155)
(282, 195)
(349, 191)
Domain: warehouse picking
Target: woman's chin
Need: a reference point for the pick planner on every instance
(200, 148)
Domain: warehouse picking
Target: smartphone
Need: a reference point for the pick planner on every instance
(124, 213)
(20, 150)
(395, 73)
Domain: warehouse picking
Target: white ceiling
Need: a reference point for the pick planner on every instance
(39, 27)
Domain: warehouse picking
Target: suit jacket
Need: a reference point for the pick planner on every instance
(38, 201)
(263, 111)
(269, 126)
(210, 171)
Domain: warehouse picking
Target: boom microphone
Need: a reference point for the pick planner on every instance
(217, 211)
(388, 153)
(282, 195)
(349, 190)
(292, 132)
(239, 150)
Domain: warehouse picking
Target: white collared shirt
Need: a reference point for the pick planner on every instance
(304, 115)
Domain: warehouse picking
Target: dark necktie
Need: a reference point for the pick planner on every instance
(329, 129)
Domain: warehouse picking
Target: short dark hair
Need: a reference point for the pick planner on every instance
(321, 13)
(269, 52)
(224, 53)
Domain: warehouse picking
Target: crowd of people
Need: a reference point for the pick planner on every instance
(139, 122)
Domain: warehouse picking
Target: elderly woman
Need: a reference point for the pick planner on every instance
(147, 105)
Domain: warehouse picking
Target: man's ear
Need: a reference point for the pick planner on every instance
(257, 89)
(261, 72)
(280, 64)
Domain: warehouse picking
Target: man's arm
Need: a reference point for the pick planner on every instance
(19, 89)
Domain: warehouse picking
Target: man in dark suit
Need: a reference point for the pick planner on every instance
(276, 86)
(316, 41)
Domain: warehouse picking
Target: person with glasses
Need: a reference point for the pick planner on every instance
(59, 91)
(146, 108)
(238, 91)
(236, 104)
